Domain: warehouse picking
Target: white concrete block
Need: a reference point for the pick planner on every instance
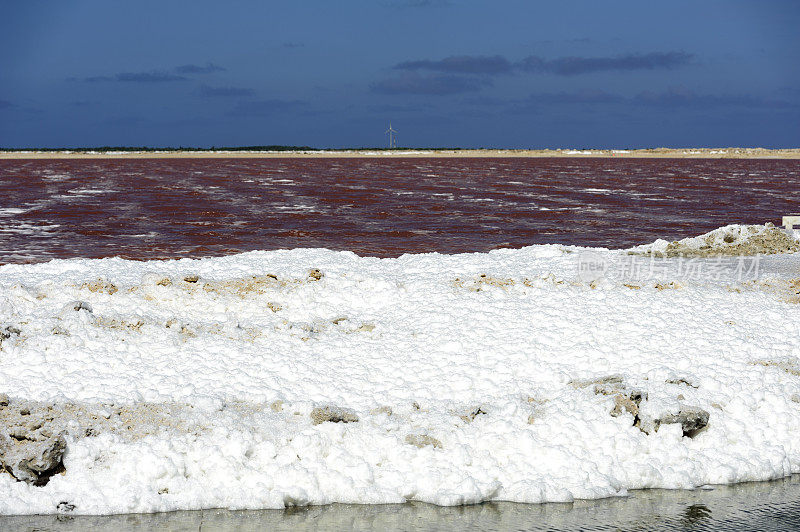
(791, 220)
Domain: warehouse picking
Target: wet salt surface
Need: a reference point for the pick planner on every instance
(760, 506)
(156, 208)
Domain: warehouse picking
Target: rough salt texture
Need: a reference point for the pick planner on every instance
(731, 240)
(282, 378)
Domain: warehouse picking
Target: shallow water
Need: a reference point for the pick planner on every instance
(771, 505)
(168, 208)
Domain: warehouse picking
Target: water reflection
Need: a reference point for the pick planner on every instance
(754, 506)
(695, 513)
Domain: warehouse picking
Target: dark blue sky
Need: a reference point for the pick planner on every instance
(446, 73)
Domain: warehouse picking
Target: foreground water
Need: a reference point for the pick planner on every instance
(760, 506)
(156, 208)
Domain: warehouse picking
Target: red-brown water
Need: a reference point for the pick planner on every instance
(166, 208)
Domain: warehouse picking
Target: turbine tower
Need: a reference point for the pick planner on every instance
(392, 139)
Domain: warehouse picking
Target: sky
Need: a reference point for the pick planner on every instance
(471, 73)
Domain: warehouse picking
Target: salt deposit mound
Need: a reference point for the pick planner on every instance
(273, 379)
(730, 240)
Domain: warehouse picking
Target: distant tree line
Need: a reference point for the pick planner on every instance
(103, 149)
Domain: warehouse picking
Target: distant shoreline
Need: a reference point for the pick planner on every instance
(687, 153)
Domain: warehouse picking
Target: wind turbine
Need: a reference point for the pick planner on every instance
(392, 139)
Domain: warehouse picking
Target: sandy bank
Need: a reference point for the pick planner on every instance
(688, 153)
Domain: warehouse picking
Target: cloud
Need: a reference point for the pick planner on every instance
(673, 98)
(93, 79)
(4, 104)
(154, 76)
(438, 85)
(572, 66)
(266, 107)
(461, 64)
(148, 77)
(197, 69)
(580, 97)
(682, 97)
(224, 92)
(493, 65)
